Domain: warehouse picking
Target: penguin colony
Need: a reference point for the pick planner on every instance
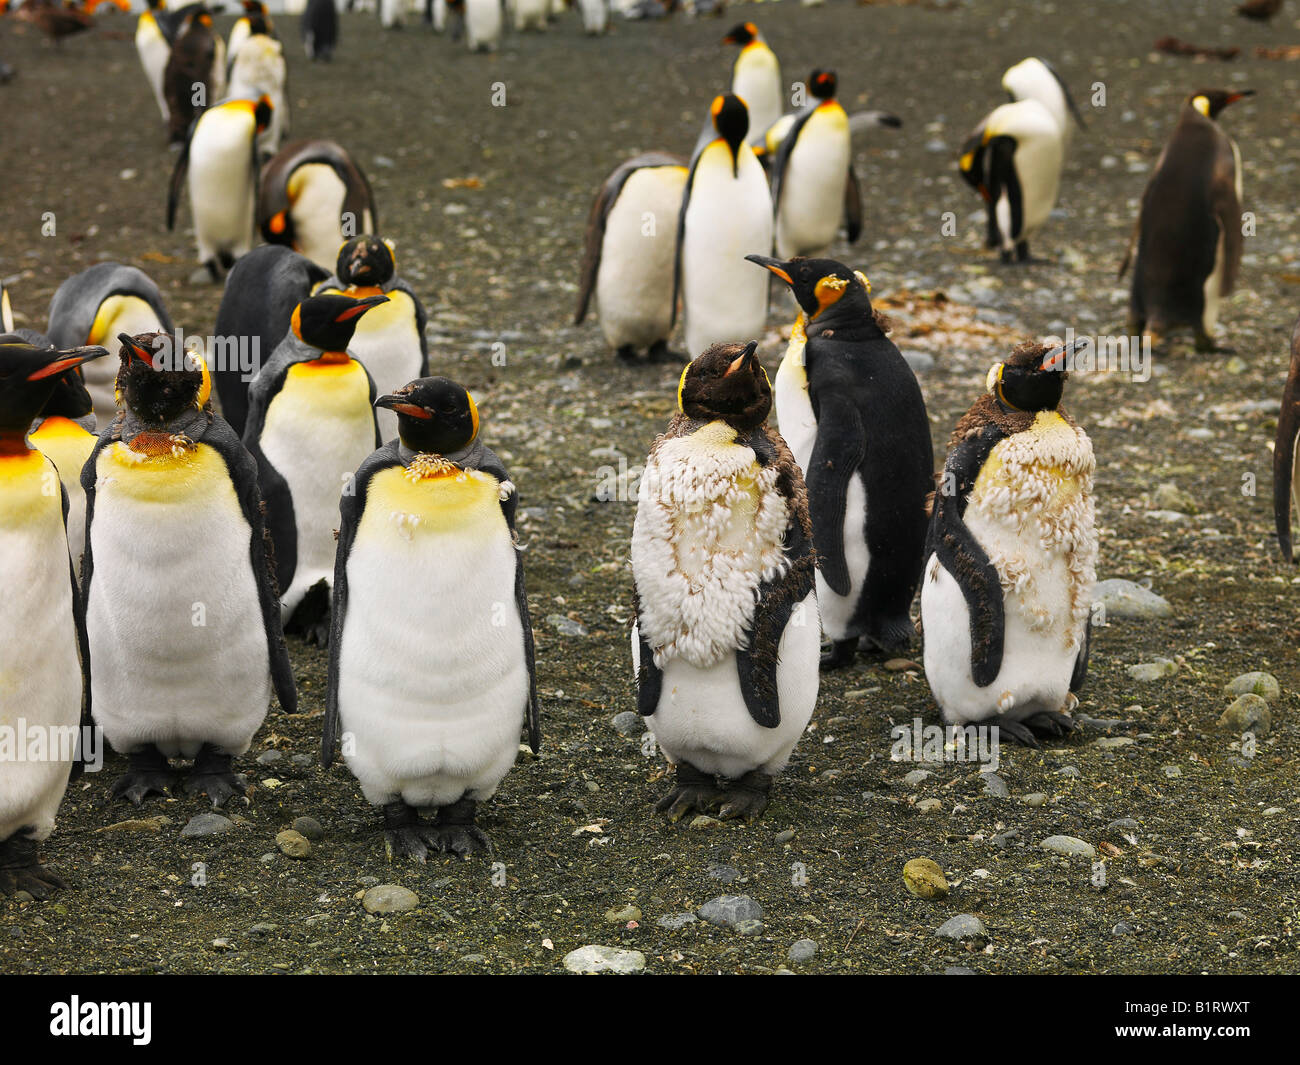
(345, 492)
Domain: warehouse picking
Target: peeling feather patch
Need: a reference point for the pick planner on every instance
(426, 464)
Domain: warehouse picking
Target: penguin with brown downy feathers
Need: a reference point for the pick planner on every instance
(1284, 449)
(1188, 233)
(198, 58)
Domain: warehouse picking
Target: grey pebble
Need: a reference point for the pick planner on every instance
(963, 926)
(207, 824)
(309, 827)
(730, 910)
(994, 785)
(675, 921)
(802, 950)
(629, 723)
(1124, 599)
(1069, 846)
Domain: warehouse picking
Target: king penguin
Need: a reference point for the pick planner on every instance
(313, 197)
(197, 60)
(258, 69)
(320, 30)
(311, 423)
(183, 623)
(220, 157)
(95, 307)
(629, 252)
(482, 24)
(65, 433)
(1188, 235)
(431, 670)
(1284, 449)
(756, 79)
(1036, 79)
(726, 214)
(726, 640)
(389, 340)
(1012, 553)
(154, 49)
(851, 410)
(243, 26)
(43, 653)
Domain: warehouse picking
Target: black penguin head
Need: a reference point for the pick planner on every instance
(256, 21)
(1032, 378)
(366, 261)
(743, 33)
(254, 7)
(726, 383)
(731, 120)
(434, 415)
(971, 162)
(822, 84)
(71, 399)
(819, 284)
(328, 322)
(28, 377)
(158, 383)
(1210, 102)
(262, 113)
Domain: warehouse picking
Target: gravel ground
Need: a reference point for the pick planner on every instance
(1197, 835)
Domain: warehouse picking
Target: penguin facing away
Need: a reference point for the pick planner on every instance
(43, 652)
(632, 272)
(311, 423)
(1284, 449)
(258, 69)
(1188, 235)
(725, 642)
(320, 29)
(1012, 552)
(64, 432)
(756, 79)
(431, 671)
(851, 411)
(184, 623)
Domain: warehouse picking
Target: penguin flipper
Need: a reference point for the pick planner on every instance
(783, 154)
(681, 233)
(178, 177)
(649, 677)
(837, 455)
(1080, 672)
(276, 499)
(1284, 449)
(421, 321)
(852, 206)
(83, 652)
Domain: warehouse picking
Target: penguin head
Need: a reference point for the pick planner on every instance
(262, 112)
(328, 322)
(156, 383)
(743, 33)
(731, 120)
(726, 383)
(1210, 102)
(819, 284)
(971, 161)
(29, 376)
(366, 261)
(1032, 378)
(70, 399)
(253, 7)
(822, 84)
(256, 21)
(434, 415)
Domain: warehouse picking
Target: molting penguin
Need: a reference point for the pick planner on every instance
(258, 69)
(95, 307)
(244, 25)
(390, 340)
(1012, 552)
(65, 433)
(197, 61)
(313, 197)
(756, 79)
(1188, 234)
(630, 251)
(726, 214)
(1037, 79)
(320, 29)
(43, 653)
(851, 410)
(726, 639)
(220, 157)
(1284, 449)
(311, 423)
(431, 670)
(184, 621)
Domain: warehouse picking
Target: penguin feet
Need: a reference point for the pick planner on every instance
(660, 353)
(457, 832)
(1027, 731)
(212, 776)
(840, 655)
(148, 773)
(747, 797)
(695, 790)
(454, 832)
(21, 870)
(626, 355)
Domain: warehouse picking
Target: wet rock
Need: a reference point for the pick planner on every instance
(389, 898)
(309, 827)
(784, 836)
(270, 757)
(675, 921)
(1173, 772)
(622, 914)
(598, 959)
(1124, 599)
(1122, 929)
(703, 823)
(207, 824)
(802, 950)
(1154, 670)
(1069, 846)
(293, 844)
(1110, 742)
(629, 723)
(1262, 684)
(1035, 798)
(963, 926)
(1248, 713)
(727, 911)
(924, 879)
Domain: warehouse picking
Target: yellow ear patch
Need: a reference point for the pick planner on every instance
(681, 384)
(967, 161)
(1202, 104)
(828, 291)
(473, 414)
(295, 322)
(866, 283)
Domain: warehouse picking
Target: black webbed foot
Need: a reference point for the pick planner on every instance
(213, 776)
(840, 656)
(747, 797)
(21, 870)
(457, 833)
(148, 773)
(694, 790)
(659, 353)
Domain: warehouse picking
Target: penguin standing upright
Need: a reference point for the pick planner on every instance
(320, 29)
(1188, 233)
(95, 307)
(312, 197)
(311, 423)
(258, 69)
(1012, 553)
(1036, 79)
(725, 641)
(197, 60)
(851, 410)
(756, 79)
(628, 265)
(595, 16)
(154, 49)
(813, 183)
(183, 624)
(261, 292)
(65, 433)
(482, 24)
(726, 214)
(389, 340)
(1014, 158)
(243, 26)
(220, 157)
(1284, 449)
(431, 667)
(43, 655)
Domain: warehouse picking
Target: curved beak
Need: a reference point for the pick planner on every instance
(777, 267)
(1056, 360)
(1234, 97)
(360, 307)
(744, 360)
(66, 360)
(397, 403)
(128, 342)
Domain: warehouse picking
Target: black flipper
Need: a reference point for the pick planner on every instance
(837, 455)
(681, 232)
(649, 677)
(277, 500)
(1002, 172)
(178, 176)
(852, 206)
(783, 153)
(83, 652)
(1080, 673)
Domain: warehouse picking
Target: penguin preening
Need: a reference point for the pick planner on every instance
(261, 292)
(629, 254)
(183, 624)
(851, 411)
(725, 642)
(43, 653)
(756, 79)
(1036, 79)
(195, 75)
(432, 670)
(320, 29)
(1284, 449)
(65, 433)
(311, 423)
(95, 307)
(312, 197)
(220, 157)
(726, 214)
(1186, 246)
(1012, 551)
(389, 340)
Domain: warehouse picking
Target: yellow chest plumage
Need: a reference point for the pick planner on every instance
(29, 490)
(66, 443)
(328, 389)
(164, 470)
(426, 498)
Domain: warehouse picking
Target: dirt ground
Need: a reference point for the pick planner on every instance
(1207, 881)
